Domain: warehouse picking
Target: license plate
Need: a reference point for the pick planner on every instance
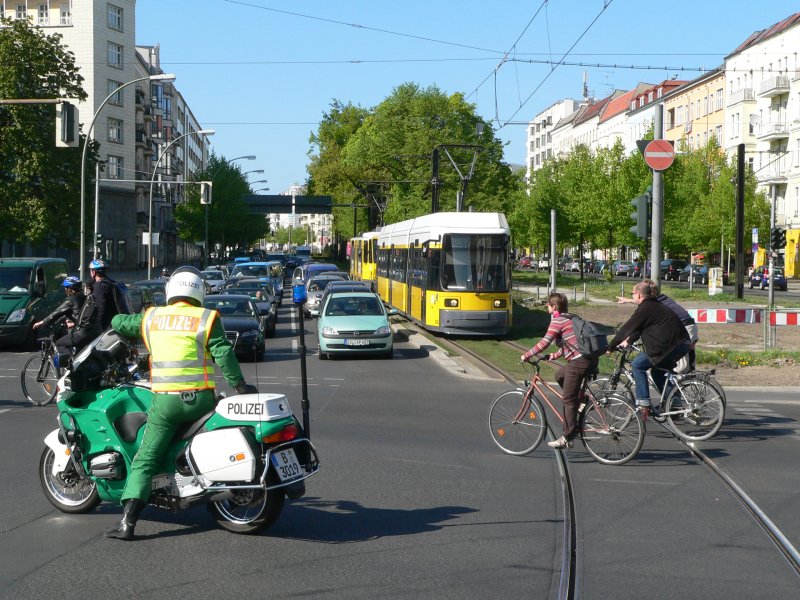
(286, 464)
(356, 342)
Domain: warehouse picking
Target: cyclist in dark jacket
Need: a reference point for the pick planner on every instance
(81, 314)
(103, 293)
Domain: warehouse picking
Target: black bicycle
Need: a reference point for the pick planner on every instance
(40, 375)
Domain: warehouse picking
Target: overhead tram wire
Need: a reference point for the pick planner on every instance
(606, 4)
(364, 27)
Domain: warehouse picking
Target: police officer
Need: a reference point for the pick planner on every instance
(182, 338)
(81, 313)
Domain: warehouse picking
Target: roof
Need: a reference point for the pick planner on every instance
(759, 36)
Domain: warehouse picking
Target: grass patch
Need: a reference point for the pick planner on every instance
(748, 358)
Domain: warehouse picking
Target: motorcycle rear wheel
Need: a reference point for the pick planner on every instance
(67, 491)
(249, 511)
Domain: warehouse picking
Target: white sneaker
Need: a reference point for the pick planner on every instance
(561, 442)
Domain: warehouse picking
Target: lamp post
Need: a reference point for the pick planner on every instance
(254, 171)
(152, 182)
(158, 77)
(216, 172)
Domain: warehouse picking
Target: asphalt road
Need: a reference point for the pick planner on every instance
(415, 501)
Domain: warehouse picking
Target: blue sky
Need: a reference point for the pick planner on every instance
(262, 73)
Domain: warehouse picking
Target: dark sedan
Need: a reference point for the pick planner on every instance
(157, 288)
(242, 322)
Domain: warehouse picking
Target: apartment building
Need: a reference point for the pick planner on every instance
(695, 112)
(539, 139)
(762, 77)
(131, 127)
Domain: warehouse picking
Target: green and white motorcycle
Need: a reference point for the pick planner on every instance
(242, 459)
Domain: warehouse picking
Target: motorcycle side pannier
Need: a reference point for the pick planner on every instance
(223, 455)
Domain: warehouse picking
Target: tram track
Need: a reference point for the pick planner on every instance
(751, 508)
(568, 583)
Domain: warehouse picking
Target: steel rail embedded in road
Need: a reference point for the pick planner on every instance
(568, 581)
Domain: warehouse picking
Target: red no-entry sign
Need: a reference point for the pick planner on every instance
(659, 154)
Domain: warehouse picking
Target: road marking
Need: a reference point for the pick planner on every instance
(2, 410)
(637, 482)
(792, 402)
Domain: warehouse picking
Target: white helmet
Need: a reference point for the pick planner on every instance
(187, 285)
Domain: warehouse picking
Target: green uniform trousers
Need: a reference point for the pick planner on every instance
(165, 416)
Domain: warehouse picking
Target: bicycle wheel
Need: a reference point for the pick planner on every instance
(611, 430)
(710, 380)
(602, 386)
(39, 379)
(694, 410)
(517, 425)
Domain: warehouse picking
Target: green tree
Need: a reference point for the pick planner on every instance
(39, 183)
(230, 223)
(393, 143)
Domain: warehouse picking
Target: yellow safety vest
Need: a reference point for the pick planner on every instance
(177, 338)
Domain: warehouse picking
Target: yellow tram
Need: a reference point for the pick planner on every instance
(448, 272)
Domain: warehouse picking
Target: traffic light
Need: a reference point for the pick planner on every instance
(67, 125)
(777, 238)
(641, 214)
(205, 192)
(99, 239)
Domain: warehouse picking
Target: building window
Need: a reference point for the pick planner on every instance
(122, 252)
(44, 15)
(719, 99)
(116, 99)
(114, 167)
(115, 131)
(114, 17)
(114, 55)
(66, 15)
(719, 134)
(22, 11)
(110, 251)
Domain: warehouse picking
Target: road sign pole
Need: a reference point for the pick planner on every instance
(657, 213)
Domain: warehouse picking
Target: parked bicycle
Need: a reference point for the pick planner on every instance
(610, 428)
(40, 375)
(692, 404)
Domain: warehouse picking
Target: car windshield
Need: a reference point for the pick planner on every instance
(475, 263)
(15, 279)
(231, 308)
(251, 271)
(354, 306)
(213, 275)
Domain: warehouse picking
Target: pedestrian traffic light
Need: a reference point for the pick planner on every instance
(205, 192)
(641, 213)
(777, 238)
(99, 239)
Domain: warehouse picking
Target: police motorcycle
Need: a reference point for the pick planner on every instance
(242, 459)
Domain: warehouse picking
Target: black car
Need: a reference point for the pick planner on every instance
(671, 268)
(158, 287)
(242, 322)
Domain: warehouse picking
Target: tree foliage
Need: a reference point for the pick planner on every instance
(230, 223)
(388, 148)
(39, 183)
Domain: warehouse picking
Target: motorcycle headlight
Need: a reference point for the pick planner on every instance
(16, 316)
(383, 331)
(328, 331)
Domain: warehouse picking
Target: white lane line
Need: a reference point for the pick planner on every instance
(754, 411)
(2, 410)
(791, 402)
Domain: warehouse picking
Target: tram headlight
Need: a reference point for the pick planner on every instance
(451, 302)
(499, 303)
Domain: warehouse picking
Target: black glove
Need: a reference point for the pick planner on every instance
(246, 388)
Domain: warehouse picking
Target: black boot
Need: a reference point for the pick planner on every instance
(124, 529)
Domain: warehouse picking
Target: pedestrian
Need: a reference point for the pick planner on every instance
(102, 288)
(687, 320)
(664, 338)
(571, 376)
(183, 338)
(81, 318)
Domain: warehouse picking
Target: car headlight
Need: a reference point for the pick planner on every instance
(16, 316)
(328, 331)
(382, 331)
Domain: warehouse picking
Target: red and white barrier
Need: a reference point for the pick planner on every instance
(725, 315)
(783, 318)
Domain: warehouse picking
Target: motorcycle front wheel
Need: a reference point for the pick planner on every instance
(67, 490)
(249, 511)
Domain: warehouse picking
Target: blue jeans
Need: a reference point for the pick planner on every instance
(642, 363)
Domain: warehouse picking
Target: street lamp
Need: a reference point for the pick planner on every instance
(261, 190)
(152, 182)
(158, 77)
(259, 181)
(259, 171)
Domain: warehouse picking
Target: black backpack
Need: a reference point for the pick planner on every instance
(121, 298)
(592, 338)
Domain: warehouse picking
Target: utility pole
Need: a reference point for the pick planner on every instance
(657, 211)
(740, 222)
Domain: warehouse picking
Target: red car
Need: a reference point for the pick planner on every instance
(524, 262)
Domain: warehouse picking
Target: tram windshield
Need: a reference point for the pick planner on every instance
(475, 263)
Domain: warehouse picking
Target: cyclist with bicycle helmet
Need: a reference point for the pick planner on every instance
(184, 340)
(103, 292)
(80, 310)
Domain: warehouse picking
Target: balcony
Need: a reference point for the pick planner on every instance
(742, 95)
(141, 137)
(776, 171)
(768, 132)
(774, 86)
